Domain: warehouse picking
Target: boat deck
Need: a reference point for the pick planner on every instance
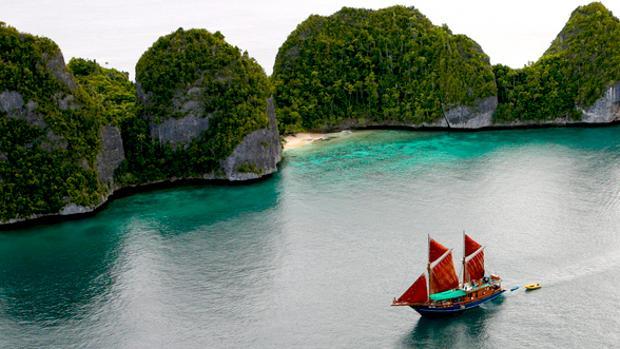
(455, 308)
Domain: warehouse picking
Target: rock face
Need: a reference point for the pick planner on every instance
(12, 103)
(606, 109)
(179, 131)
(258, 154)
(210, 118)
(72, 209)
(61, 158)
(111, 153)
(56, 65)
(478, 116)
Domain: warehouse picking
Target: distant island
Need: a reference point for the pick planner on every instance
(393, 67)
(201, 109)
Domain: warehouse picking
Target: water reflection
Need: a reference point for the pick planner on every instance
(117, 272)
(51, 275)
(181, 210)
(466, 330)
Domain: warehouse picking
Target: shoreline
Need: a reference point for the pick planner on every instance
(301, 139)
(122, 192)
(293, 141)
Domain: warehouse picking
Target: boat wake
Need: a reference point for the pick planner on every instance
(584, 268)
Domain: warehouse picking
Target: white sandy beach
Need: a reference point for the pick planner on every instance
(300, 139)
(304, 138)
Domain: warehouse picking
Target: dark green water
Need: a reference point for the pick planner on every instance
(313, 256)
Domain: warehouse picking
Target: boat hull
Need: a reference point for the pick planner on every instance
(454, 310)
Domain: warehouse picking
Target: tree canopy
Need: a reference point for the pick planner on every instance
(394, 67)
(110, 89)
(386, 65)
(232, 91)
(49, 143)
(582, 61)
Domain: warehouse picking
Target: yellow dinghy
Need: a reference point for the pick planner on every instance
(531, 287)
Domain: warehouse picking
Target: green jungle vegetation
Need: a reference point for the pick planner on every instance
(233, 91)
(573, 73)
(44, 168)
(393, 66)
(110, 88)
(390, 66)
(386, 65)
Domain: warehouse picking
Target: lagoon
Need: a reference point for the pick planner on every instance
(312, 256)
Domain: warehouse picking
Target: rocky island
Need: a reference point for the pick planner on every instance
(393, 67)
(52, 161)
(201, 109)
(204, 111)
(73, 135)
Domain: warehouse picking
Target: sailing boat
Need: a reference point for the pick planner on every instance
(445, 296)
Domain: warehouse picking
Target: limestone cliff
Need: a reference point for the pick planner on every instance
(57, 155)
(111, 154)
(204, 111)
(258, 154)
(479, 115)
(605, 109)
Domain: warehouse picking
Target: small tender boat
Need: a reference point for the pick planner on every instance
(444, 295)
(531, 287)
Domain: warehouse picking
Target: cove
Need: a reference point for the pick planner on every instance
(312, 256)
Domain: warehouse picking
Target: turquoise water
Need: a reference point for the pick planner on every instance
(313, 256)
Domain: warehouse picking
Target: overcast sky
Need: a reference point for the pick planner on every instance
(119, 31)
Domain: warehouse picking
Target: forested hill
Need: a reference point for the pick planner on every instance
(72, 135)
(580, 65)
(49, 131)
(199, 99)
(389, 65)
(202, 108)
(393, 67)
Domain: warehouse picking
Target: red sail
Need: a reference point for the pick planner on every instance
(435, 250)
(415, 294)
(475, 266)
(471, 246)
(443, 275)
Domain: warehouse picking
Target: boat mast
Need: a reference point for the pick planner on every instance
(428, 265)
(464, 258)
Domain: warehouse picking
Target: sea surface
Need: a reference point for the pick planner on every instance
(312, 257)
